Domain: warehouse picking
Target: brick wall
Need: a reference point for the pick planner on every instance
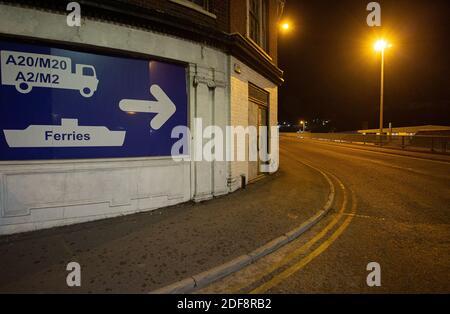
(273, 30)
(238, 16)
(218, 7)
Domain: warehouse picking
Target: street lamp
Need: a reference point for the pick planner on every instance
(380, 46)
(285, 26)
(303, 124)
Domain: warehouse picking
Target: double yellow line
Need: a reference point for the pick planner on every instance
(305, 261)
(277, 279)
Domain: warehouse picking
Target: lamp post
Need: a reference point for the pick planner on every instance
(303, 124)
(381, 46)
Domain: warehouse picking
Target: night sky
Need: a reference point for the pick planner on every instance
(332, 71)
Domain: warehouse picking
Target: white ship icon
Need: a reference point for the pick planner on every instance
(68, 134)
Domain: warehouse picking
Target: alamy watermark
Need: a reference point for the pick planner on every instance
(73, 279)
(229, 143)
(74, 17)
(374, 277)
(374, 17)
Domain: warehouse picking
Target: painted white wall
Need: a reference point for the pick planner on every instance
(239, 106)
(43, 194)
(209, 100)
(37, 195)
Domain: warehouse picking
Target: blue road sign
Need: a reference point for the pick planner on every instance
(63, 104)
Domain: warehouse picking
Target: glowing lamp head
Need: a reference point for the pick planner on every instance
(381, 45)
(285, 26)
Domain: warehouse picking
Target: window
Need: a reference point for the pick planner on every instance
(257, 22)
(87, 71)
(254, 20)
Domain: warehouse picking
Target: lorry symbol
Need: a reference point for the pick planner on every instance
(27, 70)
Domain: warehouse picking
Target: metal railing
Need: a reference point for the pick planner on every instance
(422, 143)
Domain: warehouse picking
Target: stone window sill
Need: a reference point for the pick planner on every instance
(194, 7)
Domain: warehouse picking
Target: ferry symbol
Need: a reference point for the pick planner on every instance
(68, 134)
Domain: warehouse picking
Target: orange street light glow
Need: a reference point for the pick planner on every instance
(285, 26)
(381, 45)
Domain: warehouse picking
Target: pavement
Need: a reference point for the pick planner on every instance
(390, 209)
(143, 252)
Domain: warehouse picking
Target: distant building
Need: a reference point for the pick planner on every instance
(228, 50)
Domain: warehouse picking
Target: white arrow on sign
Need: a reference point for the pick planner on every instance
(163, 106)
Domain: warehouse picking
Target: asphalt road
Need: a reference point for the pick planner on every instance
(389, 209)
